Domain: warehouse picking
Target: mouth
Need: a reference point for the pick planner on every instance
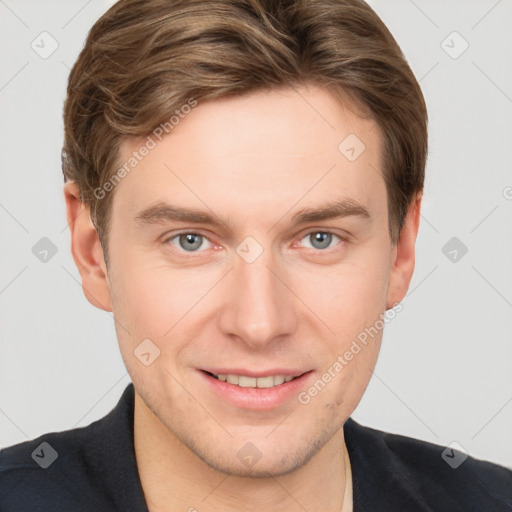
(248, 381)
(244, 389)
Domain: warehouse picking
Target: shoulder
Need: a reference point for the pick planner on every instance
(424, 474)
(52, 470)
(80, 469)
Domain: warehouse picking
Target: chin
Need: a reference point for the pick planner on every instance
(262, 458)
(257, 467)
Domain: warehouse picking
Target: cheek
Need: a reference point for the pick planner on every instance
(156, 301)
(349, 296)
(143, 302)
(156, 305)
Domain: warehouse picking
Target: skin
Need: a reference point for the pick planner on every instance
(253, 162)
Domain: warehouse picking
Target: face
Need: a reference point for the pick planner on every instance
(247, 244)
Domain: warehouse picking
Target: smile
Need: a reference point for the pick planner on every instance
(260, 390)
(245, 381)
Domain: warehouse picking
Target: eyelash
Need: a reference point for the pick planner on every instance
(195, 254)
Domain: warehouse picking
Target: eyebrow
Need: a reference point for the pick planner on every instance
(338, 209)
(164, 212)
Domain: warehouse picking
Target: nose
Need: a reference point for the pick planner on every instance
(258, 308)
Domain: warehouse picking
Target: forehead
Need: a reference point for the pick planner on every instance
(261, 151)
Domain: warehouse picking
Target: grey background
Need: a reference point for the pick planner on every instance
(445, 368)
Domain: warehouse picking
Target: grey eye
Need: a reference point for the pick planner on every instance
(319, 239)
(190, 241)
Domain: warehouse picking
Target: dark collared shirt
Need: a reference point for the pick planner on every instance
(94, 468)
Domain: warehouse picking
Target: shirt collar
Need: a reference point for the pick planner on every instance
(115, 452)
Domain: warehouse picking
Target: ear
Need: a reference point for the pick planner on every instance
(404, 255)
(86, 249)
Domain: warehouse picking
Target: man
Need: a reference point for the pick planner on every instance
(243, 189)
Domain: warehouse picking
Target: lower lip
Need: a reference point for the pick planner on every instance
(256, 398)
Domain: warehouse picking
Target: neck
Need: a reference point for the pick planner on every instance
(175, 478)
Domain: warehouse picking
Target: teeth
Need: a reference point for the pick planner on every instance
(232, 379)
(245, 381)
(265, 382)
(278, 379)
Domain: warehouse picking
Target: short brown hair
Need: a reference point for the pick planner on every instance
(144, 59)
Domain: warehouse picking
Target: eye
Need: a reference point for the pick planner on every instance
(189, 242)
(320, 239)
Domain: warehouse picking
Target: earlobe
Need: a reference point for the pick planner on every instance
(404, 255)
(86, 249)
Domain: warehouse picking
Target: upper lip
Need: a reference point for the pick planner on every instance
(255, 373)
